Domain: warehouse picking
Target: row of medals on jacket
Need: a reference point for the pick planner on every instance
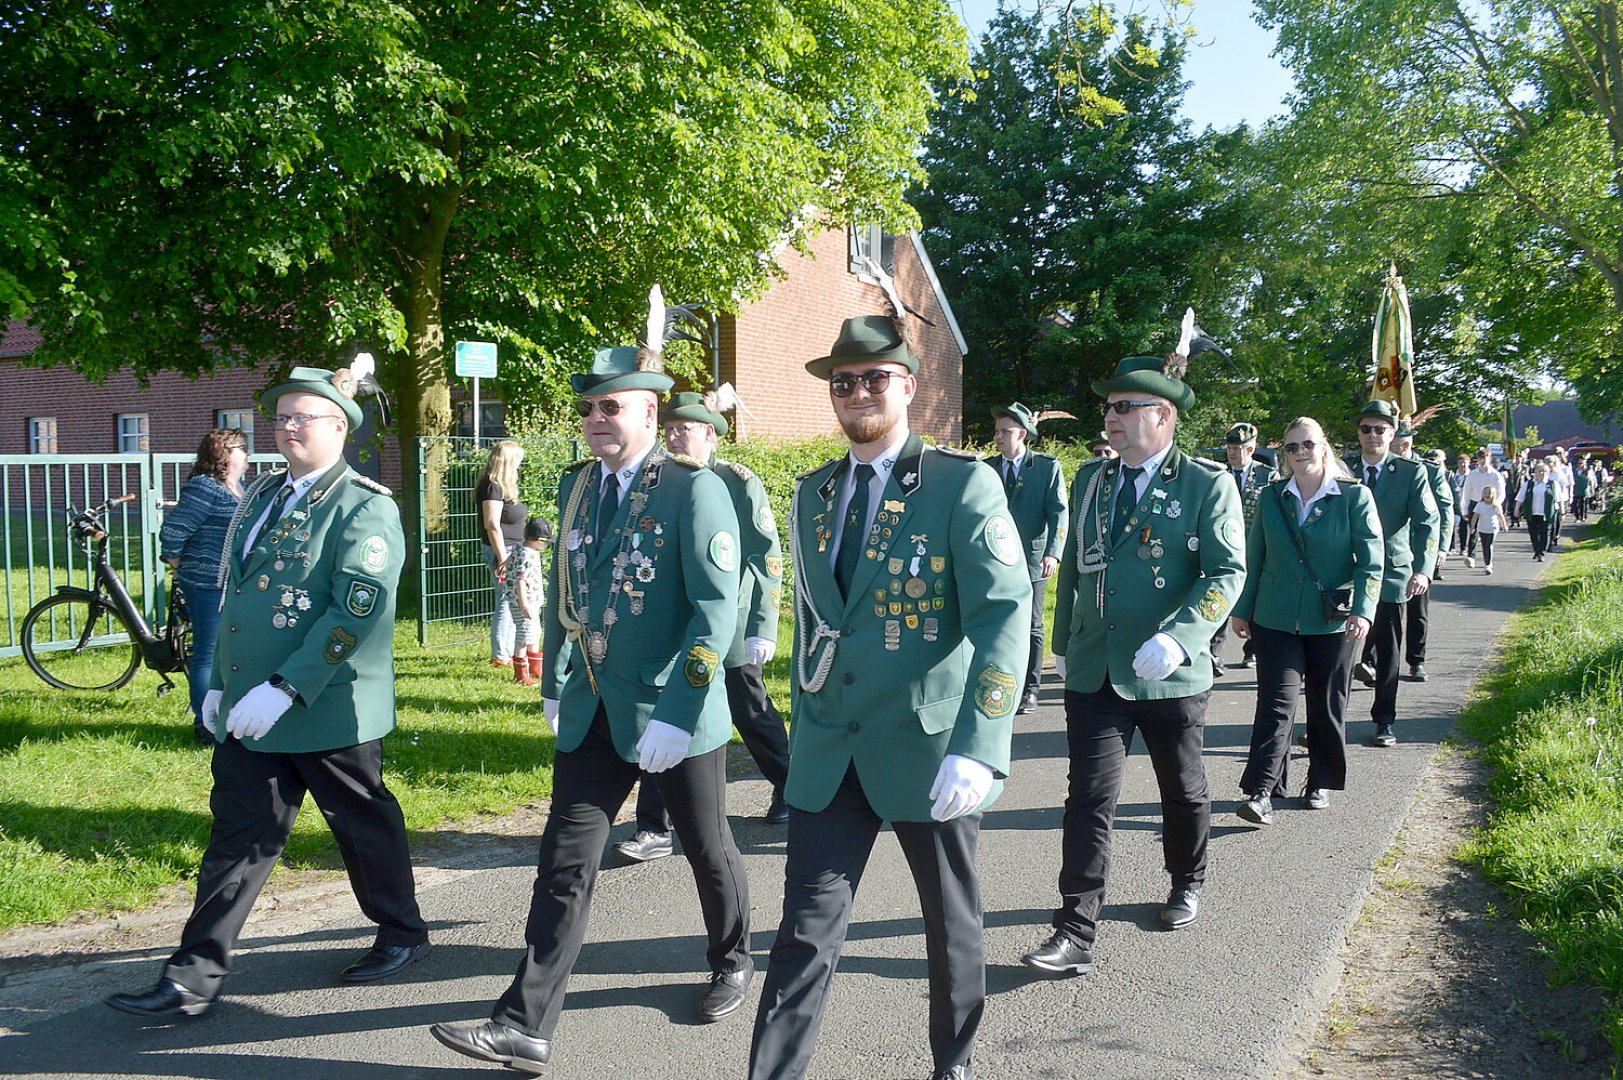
(629, 562)
(914, 587)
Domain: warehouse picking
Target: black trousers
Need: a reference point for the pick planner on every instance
(1386, 641)
(1284, 662)
(1034, 661)
(1487, 549)
(589, 785)
(758, 722)
(1538, 531)
(1555, 526)
(1417, 613)
(827, 853)
(1099, 730)
(255, 801)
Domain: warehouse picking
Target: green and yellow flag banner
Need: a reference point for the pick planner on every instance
(1393, 346)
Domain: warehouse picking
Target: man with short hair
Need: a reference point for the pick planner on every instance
(1157, 558)
(1250, 477)
(910, 645)
(304, 684)
(1036, 494)
(644, 606)
(1417, 609)
(693, 430)
(1409, 522)
(1100, 447)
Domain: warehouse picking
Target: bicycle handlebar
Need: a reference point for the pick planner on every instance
(89, 523)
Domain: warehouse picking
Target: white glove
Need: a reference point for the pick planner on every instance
(549, 708)
(211, 709)
(1059, 666)
(759, 650)
(960, 785)
(662, 745)
(257, 712)
(1158, 657)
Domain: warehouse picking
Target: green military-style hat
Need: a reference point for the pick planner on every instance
(1146, 375)
(693, 406)
(623, 367)
(874, 339)
(1020, 415)
(337, 387)
(1379, 410)
(1240, 435)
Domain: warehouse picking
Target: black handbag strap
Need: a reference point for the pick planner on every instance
(1296, 539)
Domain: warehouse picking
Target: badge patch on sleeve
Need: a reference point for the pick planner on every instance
(995, 693)
(700, 668)
(1001, 540)
(374, 554)
(1231, 533)
(340, 643)
(764, 519)
(774, 565)
(724, 552)
(362, 598)
(1212, 606)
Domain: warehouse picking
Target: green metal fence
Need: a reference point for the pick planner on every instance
(457, 594)
(38, 551)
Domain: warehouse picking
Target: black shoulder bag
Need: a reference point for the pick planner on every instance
(1337, 602)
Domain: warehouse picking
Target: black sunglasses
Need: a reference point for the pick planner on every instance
(1122, 408)
(1372, 429)
(845, 384)
(609, 406)
(1306, 446)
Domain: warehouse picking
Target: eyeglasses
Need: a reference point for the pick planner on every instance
(299, 419)
(845, 384)
(609, 406)
(1122, 408)
(1104, 453)
(688, 427)
(1372, 429)
(1306, 446)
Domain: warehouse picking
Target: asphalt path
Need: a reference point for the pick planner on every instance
(1220, 999)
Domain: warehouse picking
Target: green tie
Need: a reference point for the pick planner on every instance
(1127, 497)
(856, 519)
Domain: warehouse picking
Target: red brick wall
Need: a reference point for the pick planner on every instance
(766, 346)
(179, 410)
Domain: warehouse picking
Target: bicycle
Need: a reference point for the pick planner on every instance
(96, 639)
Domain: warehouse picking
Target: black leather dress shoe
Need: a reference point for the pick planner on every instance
(381, 961)
(490, 1041)
(957, 1072)
(1258, 809)
(1060, 955)
(1384, 736)
(165, 998)
(645, 846)
(1364, 673)
(726, 994)
(1182, 907)
(778, 812)
(1028, 705)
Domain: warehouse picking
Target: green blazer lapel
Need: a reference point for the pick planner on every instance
(814, 536)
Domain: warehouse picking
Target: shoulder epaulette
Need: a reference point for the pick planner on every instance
(683, 459)
(966, 455)
(740, 471)
(1215, 466)
(370, 484)
(1048, 457)
(573, 466)
(813, 472)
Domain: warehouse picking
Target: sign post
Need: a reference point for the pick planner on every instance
(476, 360)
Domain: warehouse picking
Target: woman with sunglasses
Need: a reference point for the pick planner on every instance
(1314, 558)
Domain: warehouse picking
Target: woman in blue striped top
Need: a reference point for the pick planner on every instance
(193, 544)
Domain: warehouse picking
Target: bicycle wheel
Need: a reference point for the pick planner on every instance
(75, 643)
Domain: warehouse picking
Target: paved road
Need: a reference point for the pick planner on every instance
(1217, 1000)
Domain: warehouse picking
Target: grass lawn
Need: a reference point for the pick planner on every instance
(1551, 721)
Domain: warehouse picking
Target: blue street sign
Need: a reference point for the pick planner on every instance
(476, 359)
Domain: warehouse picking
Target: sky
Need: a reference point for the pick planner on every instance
(1234, 79)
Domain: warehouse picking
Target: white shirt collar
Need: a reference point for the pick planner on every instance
(1329, 487)
(1152, 464)
(886, 461)
(627, 473)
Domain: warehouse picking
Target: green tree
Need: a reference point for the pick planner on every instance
(1068, 242)
(189, 185)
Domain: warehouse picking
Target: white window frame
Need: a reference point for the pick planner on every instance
(141, 437)
(38, 437)
(237, 420)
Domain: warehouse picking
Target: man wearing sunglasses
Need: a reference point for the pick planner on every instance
(644, 602)
(912, 627)
(1156, 559)
(1036, 493)
(1412, 528)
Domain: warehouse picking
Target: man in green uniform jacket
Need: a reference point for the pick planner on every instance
(1417, 610)
(1412, 529)
(304, 682)
(1250, 477)
(910, 651)
(644, 602)
(1155, 561)
(1036, 492)
(692, 429)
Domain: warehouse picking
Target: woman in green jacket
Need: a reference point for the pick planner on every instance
(1316, 538)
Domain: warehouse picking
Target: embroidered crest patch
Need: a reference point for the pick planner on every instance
(995, 693)
(1001, 541)
(700, 667)
(1212, 606)
(724, 553)
(764, 519)
(374, 554)
(1231, 533)
(340, 643)
(363, 596)
(774, 565)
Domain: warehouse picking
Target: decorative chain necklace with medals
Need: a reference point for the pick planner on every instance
(575, 607)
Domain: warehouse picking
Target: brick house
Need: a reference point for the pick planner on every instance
(763, 350)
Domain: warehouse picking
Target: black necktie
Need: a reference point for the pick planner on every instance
(856, 519)
(1008, 477)
(1127, 497)
(607, 507)
(1370, 473)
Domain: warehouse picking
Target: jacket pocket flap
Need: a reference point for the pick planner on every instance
(939, 716)
(655, 672)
